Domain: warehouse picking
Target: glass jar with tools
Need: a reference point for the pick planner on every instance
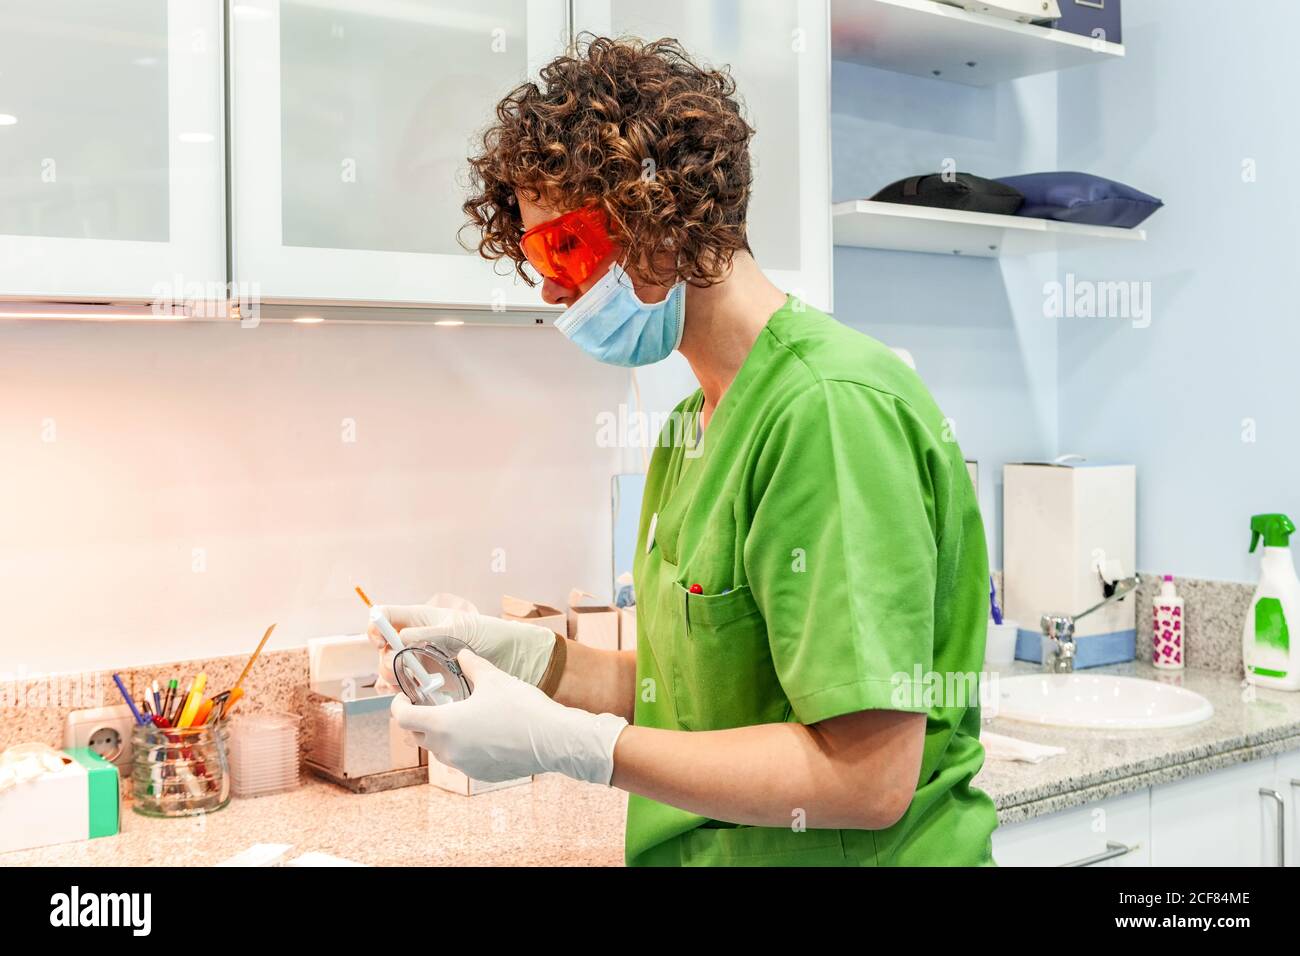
(180, 771)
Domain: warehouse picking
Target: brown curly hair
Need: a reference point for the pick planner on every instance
(636, 128)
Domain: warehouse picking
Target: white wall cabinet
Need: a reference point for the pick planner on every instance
(111, 148)
(779, 52)
(1215, 819)
(351, 121)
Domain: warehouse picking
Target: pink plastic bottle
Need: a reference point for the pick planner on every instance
(1168, 628)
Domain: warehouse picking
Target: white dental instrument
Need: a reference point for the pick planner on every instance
(428, 683)
(450, 682)
(427, 689)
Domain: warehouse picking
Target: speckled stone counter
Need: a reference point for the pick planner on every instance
(1101, 764)
(554, 821)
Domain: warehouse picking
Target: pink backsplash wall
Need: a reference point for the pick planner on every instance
(166, 492)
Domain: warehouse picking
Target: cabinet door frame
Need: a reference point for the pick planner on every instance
(1288, 785)
(1217, 818)
(264, 268)
(193, 256)
(1077, 833)
(812, 281)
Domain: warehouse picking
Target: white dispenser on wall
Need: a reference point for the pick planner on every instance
(1269, 651)
(1069, 533)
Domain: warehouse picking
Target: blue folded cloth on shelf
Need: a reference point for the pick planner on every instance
(1082, 198)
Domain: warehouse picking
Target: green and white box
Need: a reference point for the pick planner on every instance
(81, 801)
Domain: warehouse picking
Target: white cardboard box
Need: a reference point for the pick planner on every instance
(518, 609)
(591, 622)
(595, 626)
(81, 801)
(449, 778)
(627, 628)
(1065, 526)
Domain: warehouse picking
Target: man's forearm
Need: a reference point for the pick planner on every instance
(860, 776)
(603, 682)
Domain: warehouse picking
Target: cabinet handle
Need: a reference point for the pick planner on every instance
(1281, 821)
(1295, 785)
(1112, 851)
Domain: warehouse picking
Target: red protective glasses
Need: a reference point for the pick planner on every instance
(568, 248)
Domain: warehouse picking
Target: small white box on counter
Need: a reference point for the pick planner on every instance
(530, 612)
(451, 779)
(81, 800)
(340, 657)
(1066, 525)
(591, 622)
(627, 628)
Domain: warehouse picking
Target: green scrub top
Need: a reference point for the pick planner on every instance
(833, 532)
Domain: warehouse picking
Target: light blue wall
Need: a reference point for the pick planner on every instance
(1203, 88)
(974, 326)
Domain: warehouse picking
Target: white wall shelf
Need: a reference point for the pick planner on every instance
(885, 225)
(928, 38)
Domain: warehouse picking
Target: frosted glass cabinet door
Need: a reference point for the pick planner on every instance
(111, 176)
(351, 124)
(778, 51)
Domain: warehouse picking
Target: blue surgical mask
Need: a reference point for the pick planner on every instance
(611, 324)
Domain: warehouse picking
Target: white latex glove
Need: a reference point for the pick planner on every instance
(507, 728)
(522, 650)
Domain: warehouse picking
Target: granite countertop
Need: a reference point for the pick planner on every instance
(1099, 764)
(554, 821)
(557, 821)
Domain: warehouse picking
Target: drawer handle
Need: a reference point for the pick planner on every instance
(1113, 850)
(1295, 785)
(1281, 821)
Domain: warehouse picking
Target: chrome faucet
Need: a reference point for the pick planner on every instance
(1058, 629)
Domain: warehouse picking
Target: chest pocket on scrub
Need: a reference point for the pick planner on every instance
(723, 674)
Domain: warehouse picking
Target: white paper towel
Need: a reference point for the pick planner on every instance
(999, 747)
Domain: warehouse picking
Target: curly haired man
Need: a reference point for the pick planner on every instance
(811, 572)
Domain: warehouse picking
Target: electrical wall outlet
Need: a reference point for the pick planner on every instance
(105, 730)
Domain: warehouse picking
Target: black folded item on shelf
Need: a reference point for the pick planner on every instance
(953, 191)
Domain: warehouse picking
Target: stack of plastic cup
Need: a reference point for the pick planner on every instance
(264, 753)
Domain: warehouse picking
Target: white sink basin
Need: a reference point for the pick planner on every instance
(1099, 702)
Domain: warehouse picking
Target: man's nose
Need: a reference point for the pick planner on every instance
(555, 294)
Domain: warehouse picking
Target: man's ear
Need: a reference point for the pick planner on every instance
(647, 286)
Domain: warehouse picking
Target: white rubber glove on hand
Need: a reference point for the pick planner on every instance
(507, 728)
(521, 650)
